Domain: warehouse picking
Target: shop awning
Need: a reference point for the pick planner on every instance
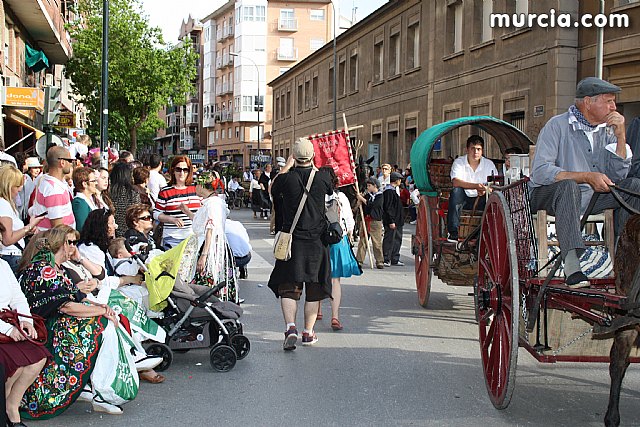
(38, 132)
(35, 59)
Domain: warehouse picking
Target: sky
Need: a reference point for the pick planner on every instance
(165, 14)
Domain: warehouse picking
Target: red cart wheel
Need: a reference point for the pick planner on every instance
(497, 296)
(423, 252)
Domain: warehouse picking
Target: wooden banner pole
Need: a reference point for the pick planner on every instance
(364, 225)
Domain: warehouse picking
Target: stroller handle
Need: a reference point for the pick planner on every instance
(202, 298)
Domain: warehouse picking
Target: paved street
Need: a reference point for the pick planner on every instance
(395, 363)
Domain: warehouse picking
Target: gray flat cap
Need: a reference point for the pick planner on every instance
(592, 86)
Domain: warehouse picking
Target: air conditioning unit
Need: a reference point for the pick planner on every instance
(11, 81)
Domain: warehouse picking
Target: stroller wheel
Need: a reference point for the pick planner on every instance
(241, 345)
(223, 358)
(163, 351)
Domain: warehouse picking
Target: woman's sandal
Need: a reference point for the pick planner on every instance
(319, 316)
(150, 378)
(335, 324)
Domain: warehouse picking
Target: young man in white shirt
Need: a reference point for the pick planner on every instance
(156, 180)
(469, 177)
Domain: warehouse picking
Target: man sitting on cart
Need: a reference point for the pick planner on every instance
(578, 152)
(469, 177)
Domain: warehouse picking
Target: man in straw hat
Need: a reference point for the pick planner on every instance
(578, 152)
(309, 266)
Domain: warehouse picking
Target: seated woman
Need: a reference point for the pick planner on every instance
(99, 229)
(78, 329)
(21, 359)
(139, 235)
(208, 226)
(97, 233)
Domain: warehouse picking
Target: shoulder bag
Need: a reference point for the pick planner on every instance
(282, 242)
(12, 317)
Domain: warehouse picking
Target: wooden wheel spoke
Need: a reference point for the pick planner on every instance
(486, 316)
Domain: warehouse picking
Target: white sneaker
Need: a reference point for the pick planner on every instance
(100, 405)
(86, 395)
(148, 362)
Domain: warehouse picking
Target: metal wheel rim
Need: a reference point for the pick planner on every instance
(497, 293)
(424, 253)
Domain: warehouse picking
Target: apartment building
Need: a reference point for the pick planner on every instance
(247, 43)
(412, 64)
(183, 122)
(35, 48)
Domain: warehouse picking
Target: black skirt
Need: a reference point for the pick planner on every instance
(19, 354)
(309, 263)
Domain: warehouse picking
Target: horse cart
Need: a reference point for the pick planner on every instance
(518, 301)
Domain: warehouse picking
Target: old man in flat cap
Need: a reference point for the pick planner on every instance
(580, 152)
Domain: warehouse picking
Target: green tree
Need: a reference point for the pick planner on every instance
(144, 73)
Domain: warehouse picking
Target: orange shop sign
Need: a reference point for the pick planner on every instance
(23, 97)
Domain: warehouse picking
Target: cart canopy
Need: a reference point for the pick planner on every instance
(505, 134)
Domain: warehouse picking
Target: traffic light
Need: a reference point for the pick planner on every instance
(51, 105)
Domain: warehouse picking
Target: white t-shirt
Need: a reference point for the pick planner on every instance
(156, 183)
(7, 211)
(237, 237)
(462, 170)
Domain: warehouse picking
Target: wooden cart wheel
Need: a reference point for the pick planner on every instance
(423, 252)
(497, 296)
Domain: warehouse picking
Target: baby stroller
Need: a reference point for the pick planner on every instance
(192, 315)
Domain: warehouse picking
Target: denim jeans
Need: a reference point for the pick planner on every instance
(13, 261)
(170, 242)
(243, 260)
(458, 200)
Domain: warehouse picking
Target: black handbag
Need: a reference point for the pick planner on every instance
(333, 232)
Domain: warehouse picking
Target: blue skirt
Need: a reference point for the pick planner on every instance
(343, 262)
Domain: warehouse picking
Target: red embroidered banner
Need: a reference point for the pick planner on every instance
(332, 149)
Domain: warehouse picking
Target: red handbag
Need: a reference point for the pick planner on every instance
(12, 317)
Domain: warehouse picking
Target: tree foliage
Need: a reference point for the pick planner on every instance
(144, 73)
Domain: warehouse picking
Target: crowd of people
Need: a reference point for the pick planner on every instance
(69, 231)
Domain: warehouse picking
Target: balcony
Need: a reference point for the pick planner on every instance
(226, 116)
(227, 32)
(226, 88)
(288, 54)
(45, 24)
(288, 24)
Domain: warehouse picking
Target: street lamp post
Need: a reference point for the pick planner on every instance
(104, 113)
(258, 81)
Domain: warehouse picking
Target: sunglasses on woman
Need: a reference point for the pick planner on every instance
(72, 242)
(185, 170)
(145, 218)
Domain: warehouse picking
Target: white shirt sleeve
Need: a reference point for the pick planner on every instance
(11, 296)
(345, 212)
(612, 148)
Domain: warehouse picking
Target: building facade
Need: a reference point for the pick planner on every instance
(36, 46)
(246, 44)
(412, 64)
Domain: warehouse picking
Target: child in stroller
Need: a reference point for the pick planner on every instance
(193, 316)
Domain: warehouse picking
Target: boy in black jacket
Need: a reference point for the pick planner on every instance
(393, 221)
(373, 210)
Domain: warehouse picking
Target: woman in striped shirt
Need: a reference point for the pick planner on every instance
(177, 203)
